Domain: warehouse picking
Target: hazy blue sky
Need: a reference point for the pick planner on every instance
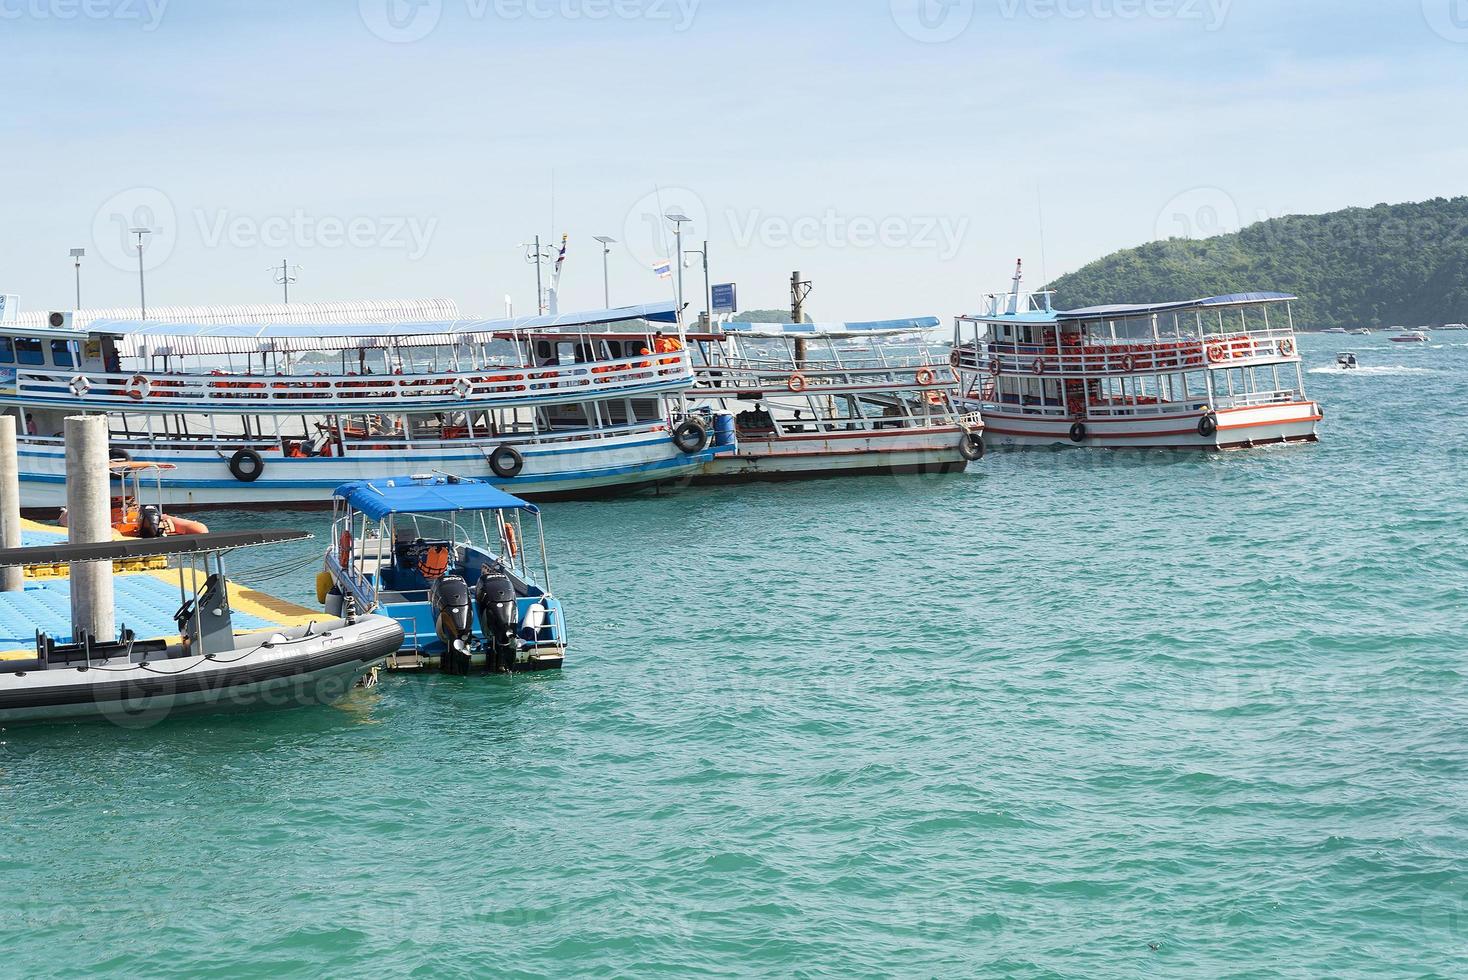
(896, 151)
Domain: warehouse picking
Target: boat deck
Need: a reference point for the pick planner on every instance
(145, 603)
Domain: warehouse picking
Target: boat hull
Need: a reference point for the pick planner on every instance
(1238, 428)
(201, 479)
(804, 455)
(316, 669)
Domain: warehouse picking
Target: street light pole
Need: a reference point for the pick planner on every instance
(76, 257)
(142, 289)
(679, 219)
(708, 289)
(606, 280)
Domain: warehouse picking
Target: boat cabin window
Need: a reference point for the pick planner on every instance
(28, 350)
(61, 354)
(7, 351)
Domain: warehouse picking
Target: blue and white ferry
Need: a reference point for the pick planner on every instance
(261, 412)
(450, 561)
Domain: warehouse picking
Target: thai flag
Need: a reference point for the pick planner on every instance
(561, 259)
(664, 269)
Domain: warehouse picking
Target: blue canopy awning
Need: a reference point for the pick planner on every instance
(840, 330)
(427, 495)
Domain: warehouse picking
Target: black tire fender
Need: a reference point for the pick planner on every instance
(506, 462)
(971, 446)
(246, 466)
(691, 436)
(1078, 433)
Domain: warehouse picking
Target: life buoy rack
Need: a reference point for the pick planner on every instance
(139, 387)
(926, 377)
(506, 462)
(797, 383)
(1216, 354)
(246, 466)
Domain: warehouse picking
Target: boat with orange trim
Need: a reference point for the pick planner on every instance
(1223, 372)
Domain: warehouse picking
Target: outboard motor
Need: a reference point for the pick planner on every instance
(453, 621)
(150, 522)
(499, 619)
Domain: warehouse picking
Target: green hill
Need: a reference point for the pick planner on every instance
(1391, 264)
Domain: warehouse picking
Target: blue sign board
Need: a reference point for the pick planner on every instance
(726, 298)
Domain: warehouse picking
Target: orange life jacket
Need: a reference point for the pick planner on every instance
(435, 563)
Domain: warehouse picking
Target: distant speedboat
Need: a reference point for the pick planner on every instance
(1347, 361)
(1455, 326)
(1361, 332)
(1410, 337)
(1336, 330)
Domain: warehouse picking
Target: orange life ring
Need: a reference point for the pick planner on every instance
(1286, 348)
(797, 383)
(137, 388)
(926, 377)
(1216, 354)
(344, 550)
(1039, 365)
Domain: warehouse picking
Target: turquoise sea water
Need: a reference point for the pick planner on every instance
(1028, 721)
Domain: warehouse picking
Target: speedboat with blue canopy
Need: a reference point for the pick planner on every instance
(450, 561)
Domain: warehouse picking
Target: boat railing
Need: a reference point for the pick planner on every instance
(1130, 357)
(818, 361)
(830, 378)
(1132, 406)
(1255, 399)
(250, 394)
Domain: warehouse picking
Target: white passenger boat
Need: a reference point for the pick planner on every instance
(1215, 373)
(813, 404)
(1411, 337)
(262, 413)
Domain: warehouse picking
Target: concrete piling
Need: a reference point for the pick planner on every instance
(89, 521)
(11, 579)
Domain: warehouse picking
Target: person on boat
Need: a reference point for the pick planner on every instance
(30, 424)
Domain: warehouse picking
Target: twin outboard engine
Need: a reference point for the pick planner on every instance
(499, 620)
(453, 621)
